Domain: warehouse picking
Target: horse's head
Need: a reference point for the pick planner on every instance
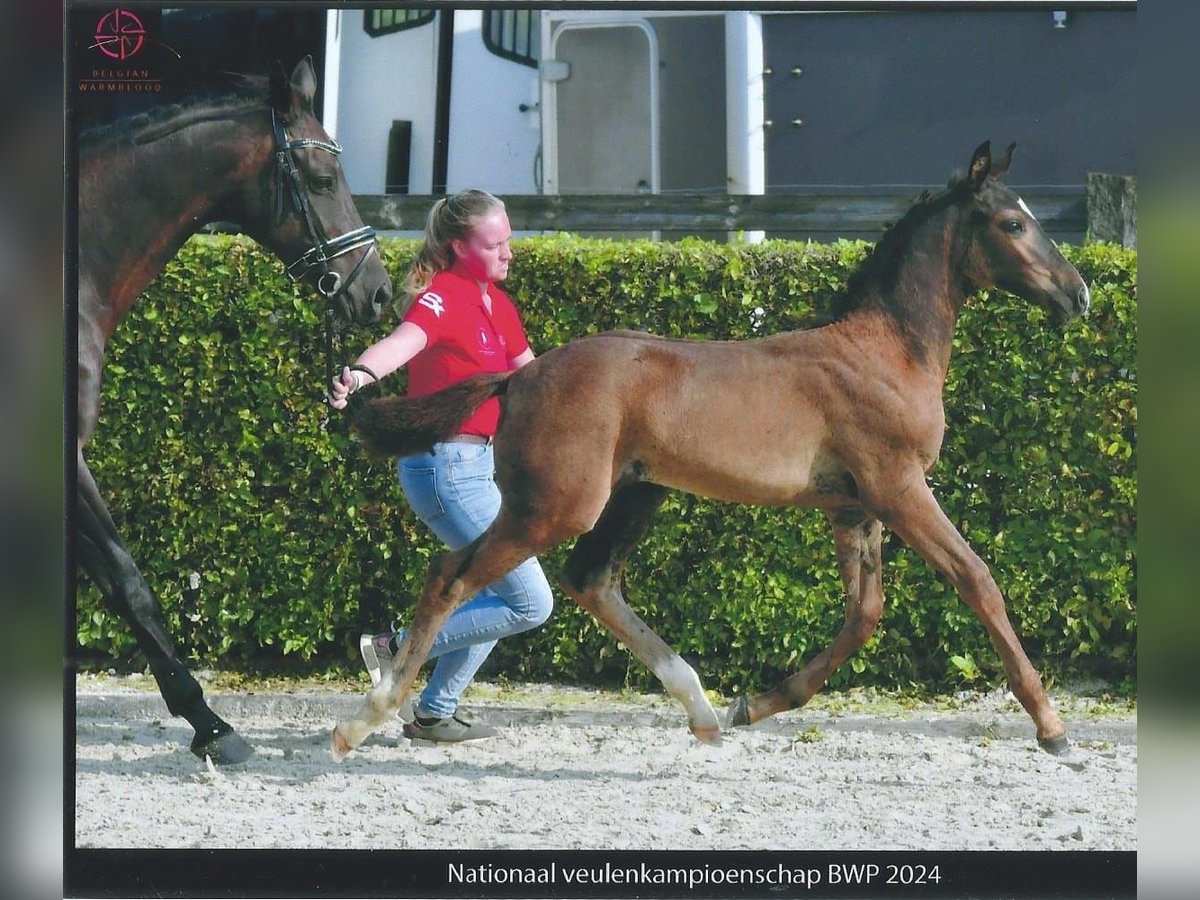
(1009, 249)
(311, 221)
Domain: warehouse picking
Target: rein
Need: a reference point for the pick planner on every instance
(329, 283)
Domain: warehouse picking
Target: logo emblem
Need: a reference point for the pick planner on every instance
(119, 34)
(485, 343)
(433, 302)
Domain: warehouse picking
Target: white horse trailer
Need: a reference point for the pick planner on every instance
(547, 101)
(831, 104)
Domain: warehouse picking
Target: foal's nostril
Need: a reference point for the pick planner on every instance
(1083, 298)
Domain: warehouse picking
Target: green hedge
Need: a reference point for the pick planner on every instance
(214, 452)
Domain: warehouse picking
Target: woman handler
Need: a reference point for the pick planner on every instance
(456, 322)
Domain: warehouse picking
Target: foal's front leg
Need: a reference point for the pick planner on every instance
(857, 541)
(921, 523)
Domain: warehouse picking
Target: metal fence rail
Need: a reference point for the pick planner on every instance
(1062, 212)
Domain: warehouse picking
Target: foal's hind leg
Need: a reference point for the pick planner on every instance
(592, 576)
(455, 577)
(857, 540)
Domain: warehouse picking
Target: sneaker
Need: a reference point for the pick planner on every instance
(449, 730)
(377, 651)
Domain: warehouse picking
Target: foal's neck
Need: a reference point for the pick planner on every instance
(924, 295)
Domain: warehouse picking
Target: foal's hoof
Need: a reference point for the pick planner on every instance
(339, 747)
(710, 736)
(739, 713)
(1055, 746)
(224, 749)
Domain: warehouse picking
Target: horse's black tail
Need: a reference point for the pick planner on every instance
(402, 426)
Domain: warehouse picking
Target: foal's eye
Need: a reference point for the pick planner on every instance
(322, 183)
(1013, 226)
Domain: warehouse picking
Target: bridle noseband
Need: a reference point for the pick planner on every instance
(323, 249)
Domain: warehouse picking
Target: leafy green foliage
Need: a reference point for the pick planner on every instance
(215, 455)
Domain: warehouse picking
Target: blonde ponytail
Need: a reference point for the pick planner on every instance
(451, 218)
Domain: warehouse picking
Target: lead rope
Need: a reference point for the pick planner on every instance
(331, 368)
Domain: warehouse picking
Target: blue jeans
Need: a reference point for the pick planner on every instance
(452, 490)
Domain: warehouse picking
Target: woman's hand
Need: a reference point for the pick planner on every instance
(380, 359)
(343, 386)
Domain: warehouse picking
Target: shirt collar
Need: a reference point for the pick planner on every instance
(471, 286)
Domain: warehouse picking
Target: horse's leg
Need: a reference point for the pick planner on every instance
(592, 576)
(108, 562)
(857, 539)
(455, 577)
(921, 524)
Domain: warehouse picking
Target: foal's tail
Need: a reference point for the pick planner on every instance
(402, 426)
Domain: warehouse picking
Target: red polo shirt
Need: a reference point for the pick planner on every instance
(464, 339)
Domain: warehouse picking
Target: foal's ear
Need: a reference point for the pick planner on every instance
(981, 165)
(1001, 165)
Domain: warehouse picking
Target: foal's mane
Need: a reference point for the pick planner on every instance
(240, 94)
(882, 263)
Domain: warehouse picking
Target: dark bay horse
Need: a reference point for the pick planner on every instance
(847, 417)
(256, 156)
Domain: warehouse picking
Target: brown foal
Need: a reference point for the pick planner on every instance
(847, 418)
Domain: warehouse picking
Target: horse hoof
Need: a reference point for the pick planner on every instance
(709, 736)
(227, 749)
(739, 713)
(339, 747)
(1056, 746)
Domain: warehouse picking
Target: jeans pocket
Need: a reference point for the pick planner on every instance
(471, 462)
(420, 486)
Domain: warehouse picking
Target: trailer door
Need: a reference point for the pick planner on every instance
(602, 101)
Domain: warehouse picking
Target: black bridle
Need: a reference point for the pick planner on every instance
(329, 283)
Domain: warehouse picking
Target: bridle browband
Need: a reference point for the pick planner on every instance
(329, 283)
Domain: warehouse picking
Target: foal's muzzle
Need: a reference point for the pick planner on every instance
(1066, 305)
